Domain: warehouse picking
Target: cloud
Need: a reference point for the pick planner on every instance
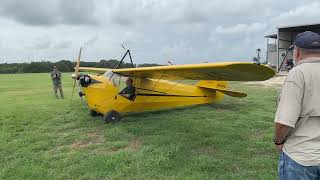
(183, 30)
(240, 29)
(304, 14)
(43, 45)
(49, 13)
(180, 49)
(130, 37)
(63, 45)
(80, 12)
(35, 12)
(239, 35)
(91, 41)
(130, 12)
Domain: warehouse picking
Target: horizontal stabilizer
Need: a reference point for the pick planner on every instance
(233, 93)
(220, 86)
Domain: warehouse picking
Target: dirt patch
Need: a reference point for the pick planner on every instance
(275, 81)
(95, 138)
(135, 144)
(258, 134)
(79, 145)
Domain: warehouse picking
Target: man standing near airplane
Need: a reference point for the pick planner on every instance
(56, 81)
(297, 120)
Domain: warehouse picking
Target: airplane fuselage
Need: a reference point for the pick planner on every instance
(102, 94)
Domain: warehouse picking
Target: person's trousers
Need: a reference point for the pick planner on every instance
(55, 89)
(291, 170)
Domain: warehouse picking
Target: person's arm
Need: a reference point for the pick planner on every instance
(281, 133)
(52, 76)
(289, 107)
(128, 92)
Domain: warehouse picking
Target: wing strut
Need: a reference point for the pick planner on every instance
(145, 100)
(169, 89)
(127, 52)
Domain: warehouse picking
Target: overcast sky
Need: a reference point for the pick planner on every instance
(184, 31)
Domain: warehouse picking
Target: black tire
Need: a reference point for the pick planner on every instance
(112, 116)
(93, 113)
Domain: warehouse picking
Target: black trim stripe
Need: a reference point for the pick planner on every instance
(170, 95)
(150, 90)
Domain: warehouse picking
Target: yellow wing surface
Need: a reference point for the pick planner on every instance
(227, 71)
(99, 70)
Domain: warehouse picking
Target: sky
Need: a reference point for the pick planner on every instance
(183, 31)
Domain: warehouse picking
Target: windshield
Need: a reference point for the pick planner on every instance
(116, 79)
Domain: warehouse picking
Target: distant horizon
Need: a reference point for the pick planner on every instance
(5, 62)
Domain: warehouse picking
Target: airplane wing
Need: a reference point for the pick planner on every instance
(225, 71)
(99, 70)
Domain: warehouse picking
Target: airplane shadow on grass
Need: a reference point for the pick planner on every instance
(220, 107)
(229, 105)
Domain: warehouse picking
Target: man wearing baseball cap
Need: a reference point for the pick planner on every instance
(297, 120)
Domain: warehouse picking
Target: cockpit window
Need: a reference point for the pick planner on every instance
(125, 88)
(113, 78)
(116, 79)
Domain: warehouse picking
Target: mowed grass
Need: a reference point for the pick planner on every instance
(46, 138)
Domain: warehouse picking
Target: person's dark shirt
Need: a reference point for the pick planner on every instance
(289, 64)
(128, 90)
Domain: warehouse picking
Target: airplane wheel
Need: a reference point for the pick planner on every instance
(112, 116)
(93, 113)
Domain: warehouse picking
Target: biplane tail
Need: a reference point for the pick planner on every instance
(220, 86)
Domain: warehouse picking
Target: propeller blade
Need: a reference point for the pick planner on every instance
(76, 72)
(75, 76)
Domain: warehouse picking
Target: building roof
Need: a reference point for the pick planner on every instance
(296, 28)
(274, 36)
(301, 27)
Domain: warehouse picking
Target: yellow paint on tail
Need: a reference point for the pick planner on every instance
(220, 86)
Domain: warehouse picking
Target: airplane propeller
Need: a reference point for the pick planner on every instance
(75, 76)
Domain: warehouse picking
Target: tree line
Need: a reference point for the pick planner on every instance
(63, 66)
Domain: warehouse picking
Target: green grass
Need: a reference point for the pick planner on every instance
(45, 138)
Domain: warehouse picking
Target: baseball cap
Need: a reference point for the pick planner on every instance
(308, 40)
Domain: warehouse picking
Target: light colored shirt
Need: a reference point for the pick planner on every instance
(299, 108)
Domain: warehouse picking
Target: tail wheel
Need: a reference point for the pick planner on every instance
(112, 116)
(93, 113)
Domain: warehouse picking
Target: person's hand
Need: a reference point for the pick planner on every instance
(279, 147)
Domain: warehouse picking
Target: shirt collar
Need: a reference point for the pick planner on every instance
(310, 60)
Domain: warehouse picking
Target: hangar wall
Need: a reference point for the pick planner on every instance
(284, 38)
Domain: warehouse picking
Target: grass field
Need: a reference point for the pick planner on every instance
(45, 138)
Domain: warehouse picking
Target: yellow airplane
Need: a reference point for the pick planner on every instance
(160, 87)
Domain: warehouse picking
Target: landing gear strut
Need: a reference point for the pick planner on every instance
(93, 113)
